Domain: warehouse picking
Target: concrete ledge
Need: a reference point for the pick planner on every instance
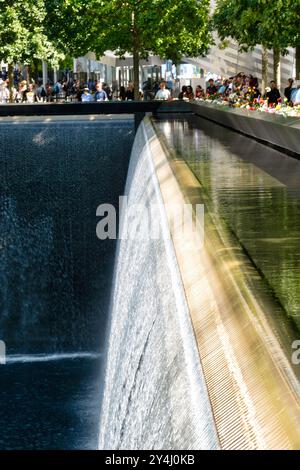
(254, 390)
(111, 107)
(194, 360)
(278, 131)
(138, 108)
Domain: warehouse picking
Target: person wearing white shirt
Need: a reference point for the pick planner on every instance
(4, 92)
(163, 93)
(295, 94)
(86, 96)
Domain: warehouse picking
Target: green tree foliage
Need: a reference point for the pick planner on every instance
(23, 36)
(68, 24)
(273, 24)
(166, 28)
(170, 29)
(22, 32)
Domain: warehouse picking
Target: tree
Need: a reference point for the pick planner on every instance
(68, 25)
(22, 35)
(298, 62)
(273, 25)
(170, 29)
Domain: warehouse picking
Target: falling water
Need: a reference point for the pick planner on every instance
(55, 275)
(155, 395)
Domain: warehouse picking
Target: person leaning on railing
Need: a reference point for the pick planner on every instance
(295, 95)
(273, 95)
(163, 93)
(100, 94)
(288, 89)
(211, 88)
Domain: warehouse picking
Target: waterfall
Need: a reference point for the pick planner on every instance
(154, 394)
(55, 274)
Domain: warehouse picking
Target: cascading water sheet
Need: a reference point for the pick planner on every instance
(155, 396)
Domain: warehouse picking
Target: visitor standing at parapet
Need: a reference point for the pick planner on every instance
(163, 93)
(129, 95)
(108, 91)
(295, 94)
(211, 89)
(86, 95)
(4, 92)
(273, 95)
(288, 89)
(100, 94)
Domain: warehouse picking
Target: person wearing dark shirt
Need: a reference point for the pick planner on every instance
(211, 89)
(129, 96)
(182, 94)
(288, 89)
(122, 93)
(107, 90)
(273, 95)
(254, 87)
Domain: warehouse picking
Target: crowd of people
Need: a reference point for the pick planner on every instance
(66, 89)
(243, 88)
(235, 90)
(31, 92)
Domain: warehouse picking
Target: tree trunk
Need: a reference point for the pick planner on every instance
(45, 73)
(298, 62)
(136, 75)
(54, 74)
(35, 69)
(276, 66)
(264, 69)
(28, 73)
(136, 60)
(11, 82)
